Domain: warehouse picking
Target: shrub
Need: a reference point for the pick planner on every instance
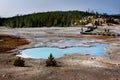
(19, 62)
(51, 61)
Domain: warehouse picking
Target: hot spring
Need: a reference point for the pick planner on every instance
(97, 49)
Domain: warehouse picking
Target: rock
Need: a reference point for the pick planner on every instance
(3, 75)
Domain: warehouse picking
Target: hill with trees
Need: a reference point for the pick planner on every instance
(48, 19)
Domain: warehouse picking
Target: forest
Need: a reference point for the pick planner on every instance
(49, 19)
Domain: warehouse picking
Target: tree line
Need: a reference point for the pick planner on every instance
(56, 18)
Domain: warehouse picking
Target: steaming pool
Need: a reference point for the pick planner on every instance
(97, 49)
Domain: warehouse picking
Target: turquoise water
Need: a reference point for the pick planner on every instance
(44, 52)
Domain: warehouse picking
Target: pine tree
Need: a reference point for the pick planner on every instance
(19, 62)
(51, 61)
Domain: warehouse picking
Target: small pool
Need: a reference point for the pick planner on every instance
(44, 52)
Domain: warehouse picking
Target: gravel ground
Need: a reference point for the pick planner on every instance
(72, 67)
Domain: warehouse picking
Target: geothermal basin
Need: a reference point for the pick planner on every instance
(97, 49)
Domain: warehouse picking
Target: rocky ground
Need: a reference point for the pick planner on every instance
(71, 67)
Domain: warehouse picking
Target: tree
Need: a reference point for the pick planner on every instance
(19, 62)
(0, 21)
(51, 61)
(56, 18)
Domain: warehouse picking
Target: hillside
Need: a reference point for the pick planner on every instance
(56, 18)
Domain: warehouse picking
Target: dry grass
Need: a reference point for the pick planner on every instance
(10, 42)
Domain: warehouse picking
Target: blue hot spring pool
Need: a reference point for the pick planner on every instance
(43, 52)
